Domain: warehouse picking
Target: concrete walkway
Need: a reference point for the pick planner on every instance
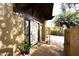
(46, 50)
(54, 48)
(59, 39)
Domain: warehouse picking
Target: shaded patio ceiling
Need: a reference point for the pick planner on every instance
(43, 9)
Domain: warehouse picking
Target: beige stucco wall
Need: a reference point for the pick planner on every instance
(71, 44)
(11, 28)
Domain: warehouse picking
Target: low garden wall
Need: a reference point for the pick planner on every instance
(71, 43)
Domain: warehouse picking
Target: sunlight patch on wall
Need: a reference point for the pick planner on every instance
(14, 31)
(13, 20)
(1, 44)
(20, 38)
(7, 32)
(1, 18)
(11, 35)
(3, 25)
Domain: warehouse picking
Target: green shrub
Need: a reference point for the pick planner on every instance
(57, 30)
(25, 48)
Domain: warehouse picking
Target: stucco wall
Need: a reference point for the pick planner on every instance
(11, 28)
(71, 44)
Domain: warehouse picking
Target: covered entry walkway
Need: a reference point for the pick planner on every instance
(23, 31)
(46, 50)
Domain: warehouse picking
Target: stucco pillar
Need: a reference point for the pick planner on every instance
(43, 28)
